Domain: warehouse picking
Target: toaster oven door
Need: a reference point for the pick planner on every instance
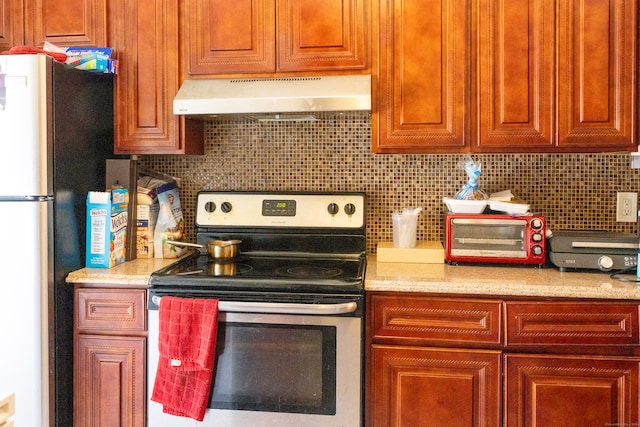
(483, 238)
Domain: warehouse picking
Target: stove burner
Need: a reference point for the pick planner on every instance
(313, 271)
(215, 268)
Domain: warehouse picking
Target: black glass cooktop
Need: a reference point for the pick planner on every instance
(265, 272)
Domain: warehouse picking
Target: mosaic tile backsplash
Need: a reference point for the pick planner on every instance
(572, 191)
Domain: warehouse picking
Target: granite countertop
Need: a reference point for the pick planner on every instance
(429, 278)
(136, 272)
(498, 281)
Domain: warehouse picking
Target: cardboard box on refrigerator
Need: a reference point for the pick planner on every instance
(107, 216)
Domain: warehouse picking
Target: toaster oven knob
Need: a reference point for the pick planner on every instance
(226, 207)
(536, 223)
(536, 250)
(349, 208)
(333, 208)
(605, 263)
(536, 237)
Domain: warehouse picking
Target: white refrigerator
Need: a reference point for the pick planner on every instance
(56, 130)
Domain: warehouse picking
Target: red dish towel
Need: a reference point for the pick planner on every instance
(15, 50)
(187, 342)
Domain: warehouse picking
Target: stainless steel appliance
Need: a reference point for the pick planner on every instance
(56, 126)
(593, 250)
(290, 328)
(495, 238)
(280, 96)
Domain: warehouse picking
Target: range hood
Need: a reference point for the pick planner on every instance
(273, 95)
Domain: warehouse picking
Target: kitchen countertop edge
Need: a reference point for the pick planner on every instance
(135, 272)
(517, 281)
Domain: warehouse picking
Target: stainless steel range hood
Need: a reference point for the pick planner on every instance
(273, 95)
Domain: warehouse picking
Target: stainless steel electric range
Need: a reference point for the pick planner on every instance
(289, 348)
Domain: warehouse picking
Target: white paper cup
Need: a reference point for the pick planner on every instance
(404, 229)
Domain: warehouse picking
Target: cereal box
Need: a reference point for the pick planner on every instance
(107, 214)
(146, 218)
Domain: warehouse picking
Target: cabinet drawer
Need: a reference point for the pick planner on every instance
(602, 324)
(114, 310)
(435, 321)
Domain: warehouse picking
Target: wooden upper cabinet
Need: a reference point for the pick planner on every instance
(516, 75)
(267, 36)
(231, 36)
(597, 74)
(421, 77)
(11, 28)
(144, 36)
(558, 78)
(66, 22)
(322, 35)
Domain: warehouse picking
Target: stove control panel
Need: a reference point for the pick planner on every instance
(282, 210)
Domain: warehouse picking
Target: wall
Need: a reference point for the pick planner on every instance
(576, 191)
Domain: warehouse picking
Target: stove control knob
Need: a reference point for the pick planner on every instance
(605, 263)
(226, 207)
(349, 209)
(333, 208)
(210, 207)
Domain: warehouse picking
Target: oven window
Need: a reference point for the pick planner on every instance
(275, 368)
(497, 237)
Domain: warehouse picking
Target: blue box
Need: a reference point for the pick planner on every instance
(97, 59)
(107, 215)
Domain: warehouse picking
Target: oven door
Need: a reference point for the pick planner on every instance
(275, 367)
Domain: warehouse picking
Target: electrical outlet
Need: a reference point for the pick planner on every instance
(627, 207)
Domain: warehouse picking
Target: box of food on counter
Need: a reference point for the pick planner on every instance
(107, 215)
(146, 217)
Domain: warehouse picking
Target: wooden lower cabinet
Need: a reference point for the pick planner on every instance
(110, 357)
(551, 390)
(436, 361)
(109, 375)
(435, 387)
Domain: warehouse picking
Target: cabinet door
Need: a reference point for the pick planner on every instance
(325, 35)
(421, 76)
(109, 381)
(597, 74)
(144, 36)
(66, 22)
(516, 71)
(11, 29)
(420, 387)
(231, 36)
(570, 391)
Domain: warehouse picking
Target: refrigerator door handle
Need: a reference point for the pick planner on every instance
(26, 198)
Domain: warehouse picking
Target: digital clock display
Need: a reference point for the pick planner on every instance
(278, 208)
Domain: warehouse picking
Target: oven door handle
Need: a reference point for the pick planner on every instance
(281, 307)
